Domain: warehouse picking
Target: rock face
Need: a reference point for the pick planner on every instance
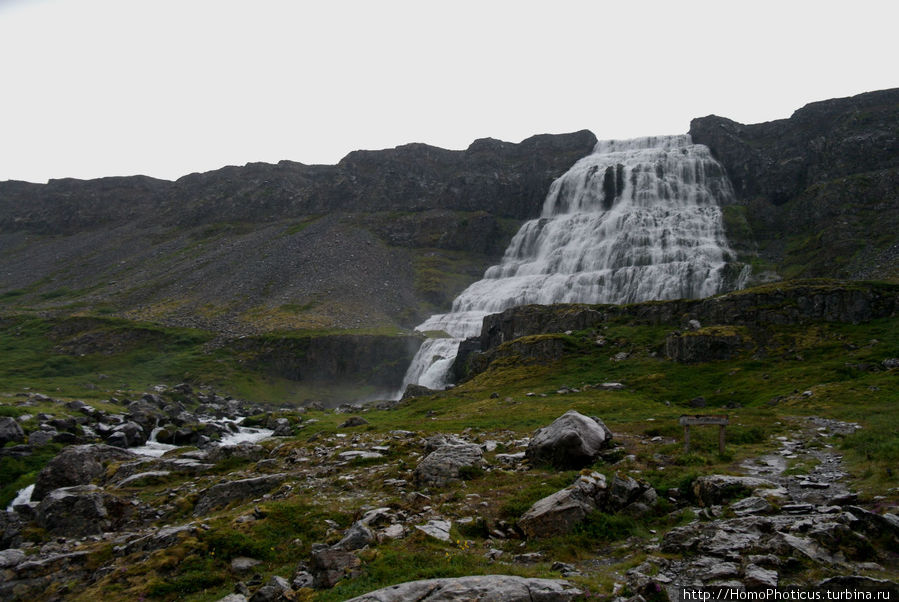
(703, 345)
(571, 441)
(77, 465)
(487, 588)
(823, 182)
(443, 464)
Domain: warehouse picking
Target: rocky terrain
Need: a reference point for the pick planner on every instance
(557, 476)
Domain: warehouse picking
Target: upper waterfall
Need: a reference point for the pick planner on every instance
(633, 221)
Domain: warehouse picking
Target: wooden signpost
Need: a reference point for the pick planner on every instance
(700, 419)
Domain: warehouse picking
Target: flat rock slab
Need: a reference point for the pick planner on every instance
(485, 588)
(436, 528)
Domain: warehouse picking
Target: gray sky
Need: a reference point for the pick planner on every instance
(168, 87)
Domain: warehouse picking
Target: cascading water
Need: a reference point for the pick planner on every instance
(633, 221)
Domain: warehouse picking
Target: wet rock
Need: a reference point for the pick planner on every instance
(10, 431)
(558, 513)
(77, 465)
(720, 489)
(571, 441)
(222, 494)
(485, 588)
(443, 464)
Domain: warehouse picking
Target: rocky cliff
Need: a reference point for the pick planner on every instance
(817, 194)
(383, 238)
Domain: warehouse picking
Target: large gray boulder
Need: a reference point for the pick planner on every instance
(74, 511)
(219, 496)
(443, 464)
(571, 441)
(77, 465)
(485, 588)
(557, 514)
(10, 431)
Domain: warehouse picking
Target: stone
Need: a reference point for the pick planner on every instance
(484, 588)
(571, 441)
(436, 528)
(77, 465)
(330, 565)
(357, 537)
(242, 564)
(243, 450)
(276, 590)
(755, 577)
(40, 438)
(10, 431)
(354, 421)
(11, 557)
(444, 463)
(154, 476)
(751, 505)
(559, 512)
(222, 494)
(74, 511)
(720, 489)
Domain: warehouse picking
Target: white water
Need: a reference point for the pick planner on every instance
(22, 497)
(633, 221)
(155, 449)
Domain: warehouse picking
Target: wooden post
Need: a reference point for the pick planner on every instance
(687, 421)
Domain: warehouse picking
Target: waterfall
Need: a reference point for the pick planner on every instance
(633, 221)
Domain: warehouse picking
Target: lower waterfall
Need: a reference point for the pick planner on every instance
(635, 220)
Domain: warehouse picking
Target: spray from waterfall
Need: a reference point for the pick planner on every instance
(633, 221)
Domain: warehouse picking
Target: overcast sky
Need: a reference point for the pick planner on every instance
(164, 88)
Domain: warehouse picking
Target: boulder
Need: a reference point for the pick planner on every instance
(485, 588)
(77, 465)
(720, 489)
(10, 431)
(41, 438)
(557, 514)
(353, 421)
(443, 464)
(276, 590)
(571, 441)
(243, 450)
(11, 557)
(330, 565)
(222, 494)
(357, 537)
(436, 528)
(74, 511)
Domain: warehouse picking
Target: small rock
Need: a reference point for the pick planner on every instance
(242, 564)
(436, 528)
